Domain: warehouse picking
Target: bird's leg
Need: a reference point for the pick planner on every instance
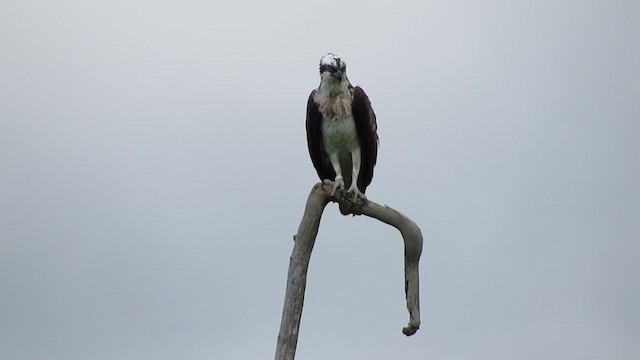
(353, 189)
(339, 182)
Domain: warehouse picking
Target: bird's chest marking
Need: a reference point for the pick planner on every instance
(338, 126)
(334, 104)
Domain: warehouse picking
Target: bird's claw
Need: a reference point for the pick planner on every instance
(338, 184)
(353, 189)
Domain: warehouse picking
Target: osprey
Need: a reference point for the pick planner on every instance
(341, 130)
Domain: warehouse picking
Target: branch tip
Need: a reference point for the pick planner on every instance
(410, 330)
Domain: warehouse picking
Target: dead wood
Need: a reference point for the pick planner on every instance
(305, 238)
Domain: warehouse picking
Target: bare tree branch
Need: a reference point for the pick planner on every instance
(318, 199)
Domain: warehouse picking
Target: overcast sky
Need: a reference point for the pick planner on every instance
(153, 169)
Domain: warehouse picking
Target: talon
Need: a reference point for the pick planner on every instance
(353, 189)
(338, 184)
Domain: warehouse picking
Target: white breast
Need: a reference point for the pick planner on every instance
(340, 135)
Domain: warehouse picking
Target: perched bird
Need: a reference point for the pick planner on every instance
(341, 130)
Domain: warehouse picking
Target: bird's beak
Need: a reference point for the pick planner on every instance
(337, 75)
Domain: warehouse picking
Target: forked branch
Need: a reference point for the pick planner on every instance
(318, 199)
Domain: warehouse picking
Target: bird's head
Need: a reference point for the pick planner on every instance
(332, 68)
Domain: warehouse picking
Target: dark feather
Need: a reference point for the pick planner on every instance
(314, 141)
(367, 129)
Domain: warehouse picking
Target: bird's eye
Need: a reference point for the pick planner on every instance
(329, 68)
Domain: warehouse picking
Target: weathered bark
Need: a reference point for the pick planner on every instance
(318, 199)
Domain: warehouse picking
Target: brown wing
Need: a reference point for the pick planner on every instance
(314, 141)
(367, 129)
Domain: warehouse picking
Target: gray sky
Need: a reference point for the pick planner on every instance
(153, 169)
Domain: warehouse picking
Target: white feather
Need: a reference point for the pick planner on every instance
(329, 59)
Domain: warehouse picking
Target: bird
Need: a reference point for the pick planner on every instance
(342, 131)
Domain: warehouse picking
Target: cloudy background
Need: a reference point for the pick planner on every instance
(153, 169)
